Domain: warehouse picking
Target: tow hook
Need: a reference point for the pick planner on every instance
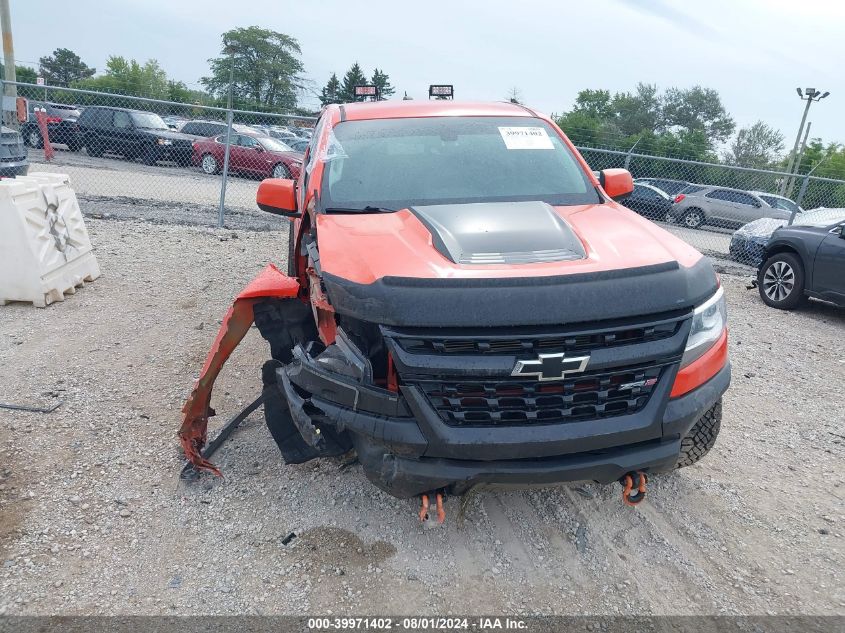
(425, 504)
(634, 481)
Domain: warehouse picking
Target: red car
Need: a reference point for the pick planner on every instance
(249, 154)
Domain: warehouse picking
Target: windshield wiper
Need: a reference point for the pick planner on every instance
(367, 209)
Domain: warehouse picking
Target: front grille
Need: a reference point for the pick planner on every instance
(529, 402)
(540, 342)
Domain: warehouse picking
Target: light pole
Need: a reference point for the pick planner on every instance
(809, 95)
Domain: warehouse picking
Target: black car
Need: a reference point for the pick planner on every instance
(61, 124)
(13, 161)
(648, 201)
(806, 260)
(671, 187)
(132, 134)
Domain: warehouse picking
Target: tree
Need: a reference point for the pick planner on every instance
(331, 91)
(698, 108)
(353, 77)
(63, 67)
(595, 104)
(382, 81)
(638, 112)
(25, 74)
(267, 68)
(130, 77)
(756, 146)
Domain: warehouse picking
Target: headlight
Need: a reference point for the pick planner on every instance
(708, 322)
(164, 141)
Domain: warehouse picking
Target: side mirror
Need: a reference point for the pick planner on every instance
(259, 148)
(278, 195)
(617, 183)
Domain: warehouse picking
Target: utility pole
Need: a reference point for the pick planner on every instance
(221, 211)
(9, 89)
(809, 95)
(798, 160)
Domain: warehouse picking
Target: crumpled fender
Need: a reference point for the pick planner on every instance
(270, 282)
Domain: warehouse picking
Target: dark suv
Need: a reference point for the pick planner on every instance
(61, 125)
(132, 134)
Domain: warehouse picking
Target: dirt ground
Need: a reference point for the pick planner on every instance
(93, 519)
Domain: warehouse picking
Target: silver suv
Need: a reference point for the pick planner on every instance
(720, 206)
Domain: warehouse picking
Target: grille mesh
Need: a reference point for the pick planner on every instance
(527, 402)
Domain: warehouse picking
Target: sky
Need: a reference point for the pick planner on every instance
(754, 52)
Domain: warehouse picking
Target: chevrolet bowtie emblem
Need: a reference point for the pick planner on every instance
(551, 366)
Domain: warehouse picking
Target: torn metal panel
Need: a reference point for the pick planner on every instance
(270, 282)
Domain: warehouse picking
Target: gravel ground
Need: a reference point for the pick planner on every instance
(93, 519)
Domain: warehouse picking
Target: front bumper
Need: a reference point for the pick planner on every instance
(406, 449)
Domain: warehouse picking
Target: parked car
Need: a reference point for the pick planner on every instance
(132, 134)
(299, 144)
(174, 122)
(648, 201)
(198, 129)
(748, 243)
(252, 154)
(806, 259)
(61, 125)
(721, 206)
(671, 187)
(778, 202)
(13, 160)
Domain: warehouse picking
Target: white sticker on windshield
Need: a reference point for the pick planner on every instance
(526, 138)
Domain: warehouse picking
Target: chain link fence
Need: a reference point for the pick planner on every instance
(125, 150)
(119, 150)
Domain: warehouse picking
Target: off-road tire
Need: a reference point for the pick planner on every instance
(701, 437)
(795, 296)
(693, 219)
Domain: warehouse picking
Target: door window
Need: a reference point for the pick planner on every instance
(122, 121)
(743, 198)
(247, 141)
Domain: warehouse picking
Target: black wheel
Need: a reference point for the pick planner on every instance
(693, 219)
(33, 138)
(701, 437)
(281, 171)
(74, 146)
(781, 281)
(94, 149)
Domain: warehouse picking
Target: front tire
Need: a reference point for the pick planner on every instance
(281, 171)
(694, 218)
(33, 139)
(94, 149)
(781, 281)
(701, 437)
(209, 164)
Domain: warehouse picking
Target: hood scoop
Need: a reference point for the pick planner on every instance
(500, 233)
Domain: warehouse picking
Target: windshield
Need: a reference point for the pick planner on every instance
(273, 145)
(396, 163)
(148, 120)
(820, 217)
(781, 203)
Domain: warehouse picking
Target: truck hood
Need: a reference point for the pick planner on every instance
(404, 268)
(429, 241)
